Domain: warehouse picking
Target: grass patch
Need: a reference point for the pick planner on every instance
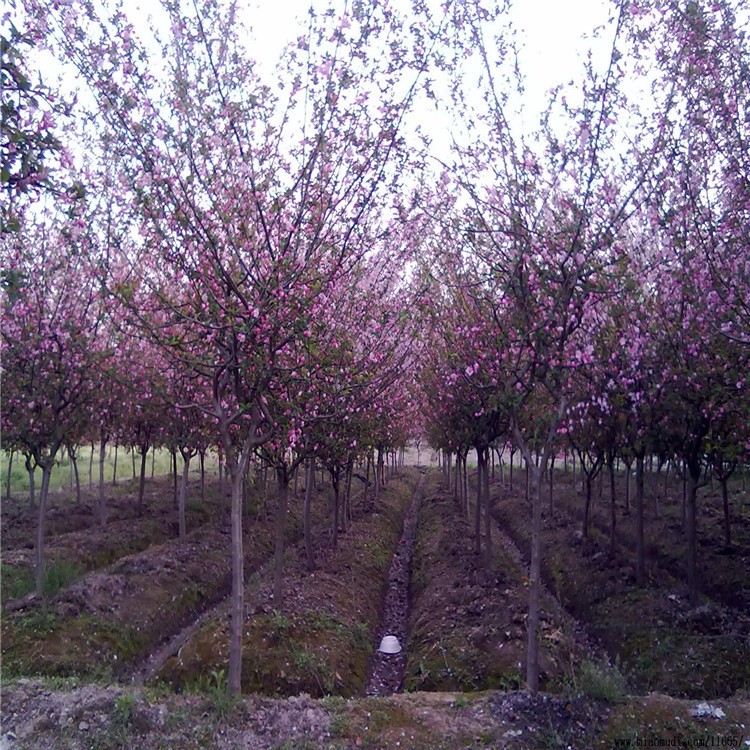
(320, 644)
(214, 686)
(17, 582)
(603, 682)
(40, 642)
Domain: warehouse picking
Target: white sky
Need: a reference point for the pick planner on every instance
(554, 31)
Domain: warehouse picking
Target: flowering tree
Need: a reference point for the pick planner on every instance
(51, 316)
(249, 198)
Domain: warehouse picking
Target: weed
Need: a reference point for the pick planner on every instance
(16, 582)
(278, 626)
(602, 681)
(339, 726)
(460, 703)
(196, 506)
(60, 574)
(215, 687)
(313, 666)
(123, 710)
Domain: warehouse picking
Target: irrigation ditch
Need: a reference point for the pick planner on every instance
(387, 669)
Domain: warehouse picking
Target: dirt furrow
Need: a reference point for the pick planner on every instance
(387, 669)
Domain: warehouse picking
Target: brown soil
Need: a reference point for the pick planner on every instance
(319, 640)
(660, 641)
(466, 632)
(468, 620)
(106, 622)
(37, 716)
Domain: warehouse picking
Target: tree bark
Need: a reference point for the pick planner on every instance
(114, 467)
(465, 472)
(74, 462)
(335, 487)
(202, 459)
(186, 456)
(41, 529)
(725, 505)
(487, 508)
(586, 508)
(102, 504)
(640, 551)
(31, 469)
(309, 550)
(612, 506)
(234, 677)
(173, 466)
(551, 486)
(142, 481)
(8, 478)
(91, 466)
(282, 481)
(535, 580)
(692, 537)
(478, 514)
(367, 482)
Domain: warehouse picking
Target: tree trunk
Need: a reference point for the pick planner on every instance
(114, 467)
(234, 678)
(173, 466)
(640, 552)
(456, 473)
(587, 506)
(282, 481)
(202, 459)
(725, 504)
(153, 462)
(528, 480)
(551, 486)
(40, 529)
(535, 580)
(612, 506)
(347, 514)
(465, 472)
(510, 468)
(367, 481)
(335, 486)
(74, 462)
(186, 456)
(478, 514)
(31, 469)
(102, 504)
(573, 464)
(684, 496)
(627, 488)
(8, 478)
(309, 551)
(692, 536)
(142, 481)
(487, 508)
(132, 459)
(91, 466)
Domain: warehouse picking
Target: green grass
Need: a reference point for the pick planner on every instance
(17, 582)
(603, 682)
(62, 474)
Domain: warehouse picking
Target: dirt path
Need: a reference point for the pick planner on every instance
(714, 583)
(156, 660)
(550, 602)
(387, 670)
